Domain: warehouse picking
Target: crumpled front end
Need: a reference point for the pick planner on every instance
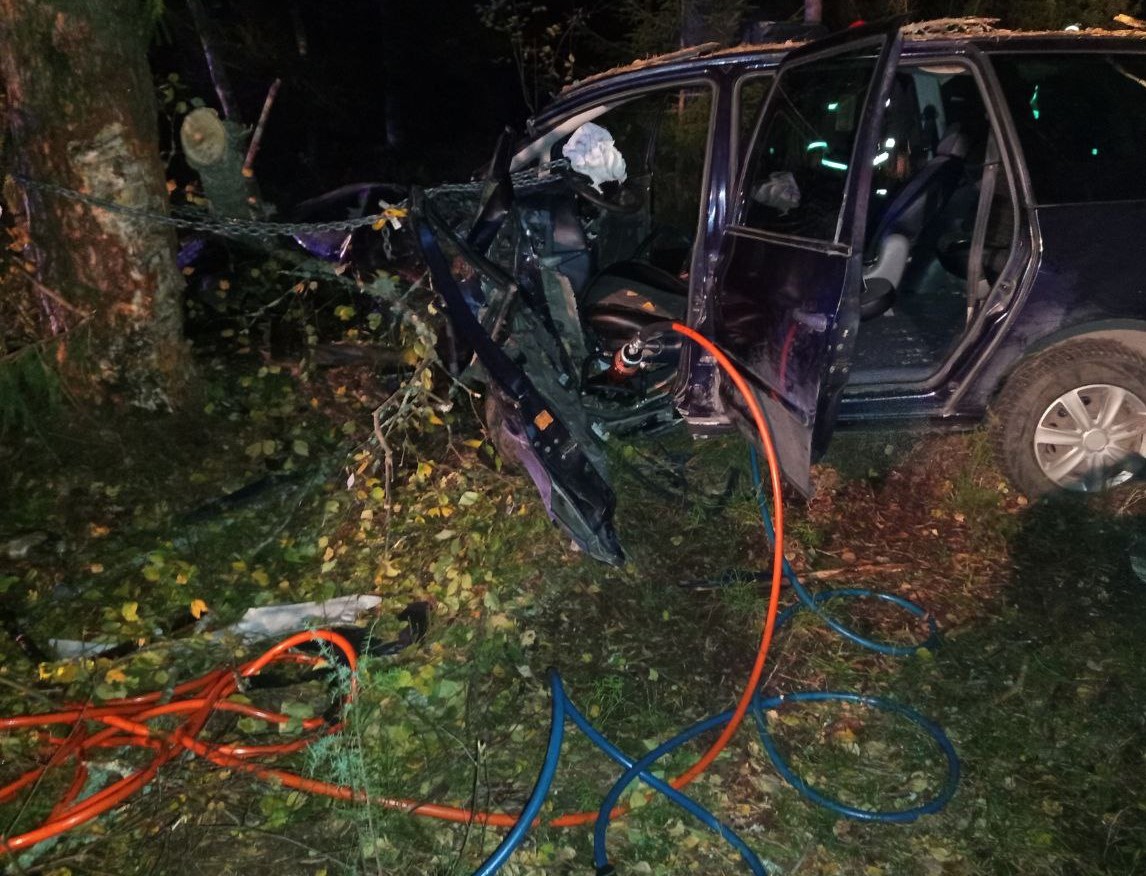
(546, 435)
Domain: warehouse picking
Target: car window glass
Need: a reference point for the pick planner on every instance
(749, 99)
(1081, 120)
(795, 183)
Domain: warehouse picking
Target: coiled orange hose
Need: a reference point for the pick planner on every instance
(124, 722)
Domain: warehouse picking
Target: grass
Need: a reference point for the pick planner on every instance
(1038, 682)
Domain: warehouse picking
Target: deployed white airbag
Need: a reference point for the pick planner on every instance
(779, 191)
(591, 152)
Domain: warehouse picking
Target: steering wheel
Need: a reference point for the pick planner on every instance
(614, 197)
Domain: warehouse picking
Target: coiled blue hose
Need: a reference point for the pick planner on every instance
(639, 769)
(807, 600)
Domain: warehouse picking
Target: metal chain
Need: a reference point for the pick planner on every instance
(214, 224)
(192, 220)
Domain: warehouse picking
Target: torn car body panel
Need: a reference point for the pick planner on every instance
(575, 493)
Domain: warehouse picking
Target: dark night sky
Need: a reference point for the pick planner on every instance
(377, 96)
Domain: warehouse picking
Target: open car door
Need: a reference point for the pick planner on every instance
(787, 292)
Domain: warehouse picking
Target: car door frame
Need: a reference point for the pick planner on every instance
(939, 397)
(799, 432)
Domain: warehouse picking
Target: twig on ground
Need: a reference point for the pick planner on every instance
(864, 569)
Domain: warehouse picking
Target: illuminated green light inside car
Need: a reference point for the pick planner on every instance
(1094, 151)
(834, 165)
(1034, 101)
(817, 144)
(833, 106)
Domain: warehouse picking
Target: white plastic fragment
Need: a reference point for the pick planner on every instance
(274, 620)
(264, 622)
(591, 152)
(70, 649)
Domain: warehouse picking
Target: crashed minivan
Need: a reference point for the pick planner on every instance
(895, 225)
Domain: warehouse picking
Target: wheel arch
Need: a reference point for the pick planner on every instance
(1129, 333)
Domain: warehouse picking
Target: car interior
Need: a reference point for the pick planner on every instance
(940, 224)
(624, 248)
(939, 228)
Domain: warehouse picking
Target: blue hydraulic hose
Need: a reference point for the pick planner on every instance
(562, 708)
(894, 816)
(638, 770)
(759, 709)
(807, 600)
(516, 835)
(761, 705)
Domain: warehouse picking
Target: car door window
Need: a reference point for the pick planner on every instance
(1081, 120)
(799, 162)
(751, 92)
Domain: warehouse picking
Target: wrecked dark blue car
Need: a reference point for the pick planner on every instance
(897, 226)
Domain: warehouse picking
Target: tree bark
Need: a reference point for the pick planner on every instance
(81, 113)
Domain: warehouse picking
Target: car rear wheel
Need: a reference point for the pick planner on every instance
(1073, 418)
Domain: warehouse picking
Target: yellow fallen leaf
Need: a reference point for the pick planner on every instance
(130, 612)
(845, 736)
(115, 676)
(198, 606)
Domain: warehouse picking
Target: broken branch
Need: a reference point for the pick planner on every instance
(257, 137)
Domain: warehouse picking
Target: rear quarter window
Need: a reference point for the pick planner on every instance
(1081, 121)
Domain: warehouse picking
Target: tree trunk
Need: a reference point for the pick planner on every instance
(81, 112)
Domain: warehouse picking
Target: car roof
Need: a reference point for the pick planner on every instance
(923, 37)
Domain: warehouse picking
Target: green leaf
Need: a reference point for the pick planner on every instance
(447, 689)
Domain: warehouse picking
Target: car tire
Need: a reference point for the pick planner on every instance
(1092, 395)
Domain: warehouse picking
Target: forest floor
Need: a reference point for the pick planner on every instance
(121, 528)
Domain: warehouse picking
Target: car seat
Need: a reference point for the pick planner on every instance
(629, 296)
(921, 198)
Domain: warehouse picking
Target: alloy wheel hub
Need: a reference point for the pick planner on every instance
(1086, 438)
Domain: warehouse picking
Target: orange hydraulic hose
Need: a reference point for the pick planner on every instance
(125, 720)
(777, 554)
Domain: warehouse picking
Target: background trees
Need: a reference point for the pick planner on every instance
(81, 114)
